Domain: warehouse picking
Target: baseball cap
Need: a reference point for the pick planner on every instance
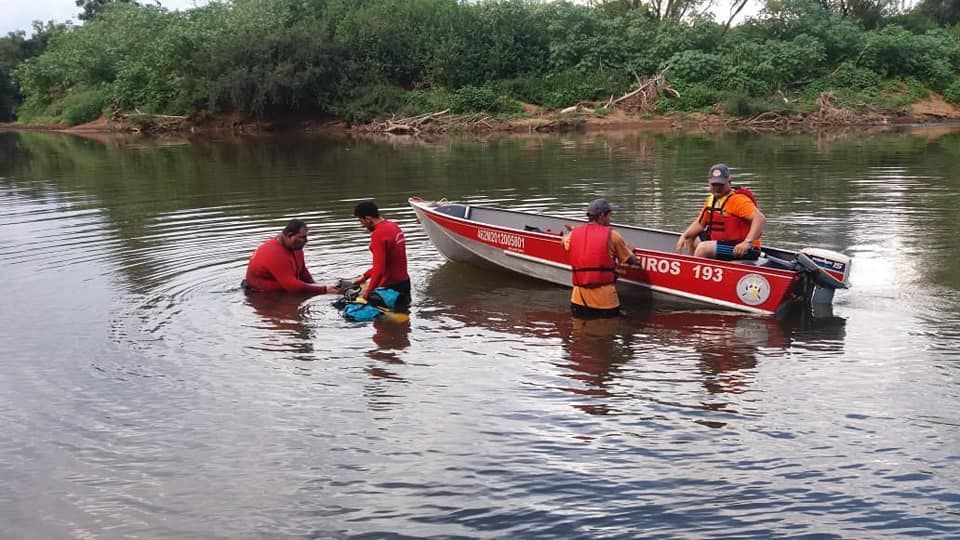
(599, 207)
(718, 174)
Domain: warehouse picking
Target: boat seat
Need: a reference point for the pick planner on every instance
(752, 262)
(534, 228)
(765, 262)
(455, 210)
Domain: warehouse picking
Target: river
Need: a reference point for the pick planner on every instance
(142, 394)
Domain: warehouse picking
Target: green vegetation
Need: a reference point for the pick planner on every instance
(14, 49)
(363, 60)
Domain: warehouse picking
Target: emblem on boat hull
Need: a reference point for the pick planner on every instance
(753, 289)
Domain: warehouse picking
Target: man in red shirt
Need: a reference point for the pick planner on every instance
(278, 265)
(389, 249)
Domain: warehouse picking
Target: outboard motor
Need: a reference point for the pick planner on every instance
(828, 270)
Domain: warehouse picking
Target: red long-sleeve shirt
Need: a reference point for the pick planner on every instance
(274, 268)
(389, 249)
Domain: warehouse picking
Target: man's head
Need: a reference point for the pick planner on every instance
(599, 210)
(294, 235)
(719, 178)
(368, 214)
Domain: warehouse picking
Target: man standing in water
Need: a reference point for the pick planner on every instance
(595, 251)
(389, 249)
(278, 264)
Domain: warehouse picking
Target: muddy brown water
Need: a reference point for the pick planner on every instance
(143, 395)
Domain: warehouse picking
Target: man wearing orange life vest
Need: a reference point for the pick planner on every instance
(728, 225)
(595, 251)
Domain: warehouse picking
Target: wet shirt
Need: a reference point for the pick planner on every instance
(604, 296)
(274, 268)
(389, 249)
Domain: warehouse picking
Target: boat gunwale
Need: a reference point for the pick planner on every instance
(779, 273)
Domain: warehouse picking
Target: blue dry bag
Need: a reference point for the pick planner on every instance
(381, 301)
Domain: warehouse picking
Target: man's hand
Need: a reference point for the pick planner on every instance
(740, 249)
(358, 280)
(684, 243)
(631, 262)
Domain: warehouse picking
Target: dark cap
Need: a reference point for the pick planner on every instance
(598, 207)
(718, 174)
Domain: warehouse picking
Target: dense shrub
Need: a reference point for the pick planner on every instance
(932, 57)
(15, 48)
(744, 105)
(850, 76)
(952, 93)
(84, 106)
(584, 39)
(474, 98)
(364, 60)
(786, 20)
(566, 87)
(427, 101)
(373, 103)
(687, 68)
(692, 98)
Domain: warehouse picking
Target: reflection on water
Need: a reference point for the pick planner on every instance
(281, 317)
(145, 395)
(602, 357)
(391, 337)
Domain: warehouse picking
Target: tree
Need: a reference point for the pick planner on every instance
(16, 47)
(943, 12)
(735, 10)
(659, 10)
(10, 55)
(92, 7)
(870, 13)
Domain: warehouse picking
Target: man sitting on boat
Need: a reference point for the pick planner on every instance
(278, 264)
(729, 225)
(389, 248)
(595, 252)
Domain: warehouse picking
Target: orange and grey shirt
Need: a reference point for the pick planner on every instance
(603, 296)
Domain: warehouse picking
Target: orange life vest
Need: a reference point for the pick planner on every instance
(720, 225)
(591, 261)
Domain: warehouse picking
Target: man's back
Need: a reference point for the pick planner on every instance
(388, 237)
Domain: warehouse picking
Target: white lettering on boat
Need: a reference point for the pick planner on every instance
(661, 266)
(708, 273)
(508, 240)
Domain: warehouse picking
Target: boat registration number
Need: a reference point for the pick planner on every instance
(508, 240)
(708, 273)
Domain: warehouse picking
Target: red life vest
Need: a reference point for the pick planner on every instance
(591, 261)
(719, 225)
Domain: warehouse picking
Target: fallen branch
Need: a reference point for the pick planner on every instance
(828, 115)
(433, 122)
(140, 122)
(579, 107)
(649, 91)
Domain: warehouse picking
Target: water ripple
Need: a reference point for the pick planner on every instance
(144, 394)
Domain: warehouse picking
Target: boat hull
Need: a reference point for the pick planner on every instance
(529, 244)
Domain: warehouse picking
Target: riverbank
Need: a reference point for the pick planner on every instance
(932, 110)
